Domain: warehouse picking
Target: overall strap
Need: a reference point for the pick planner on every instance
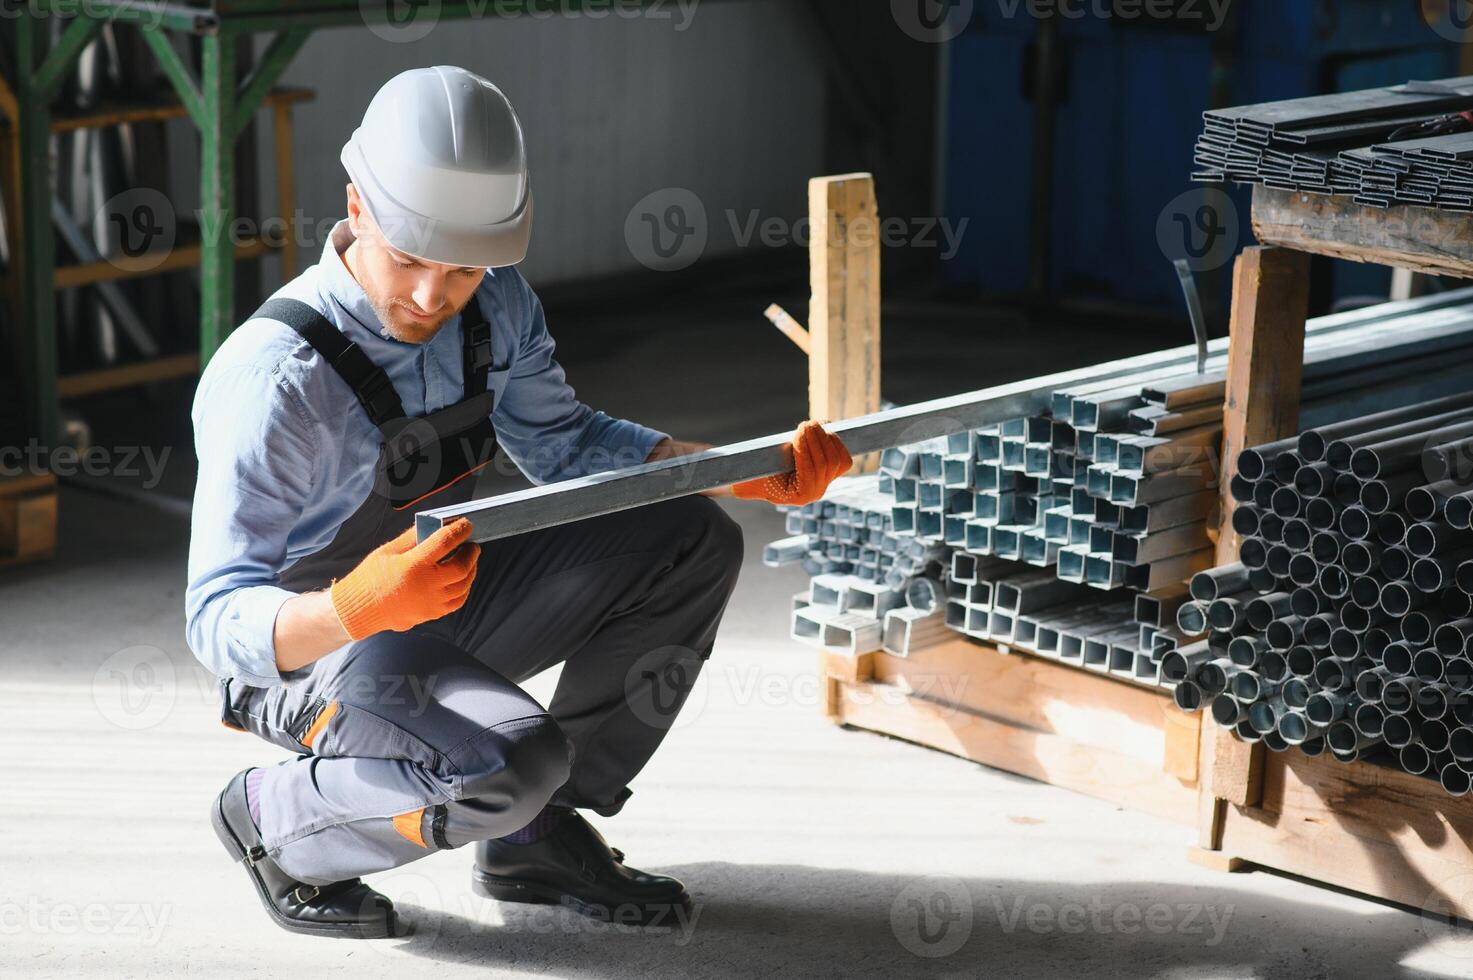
(476, 354)
(369, 382)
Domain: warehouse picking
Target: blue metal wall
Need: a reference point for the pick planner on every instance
(1130, 112)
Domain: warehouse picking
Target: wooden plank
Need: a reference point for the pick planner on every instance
(1264, 379)
(844, 311)
(145, 264)
(127, 375)
(1183, 744)
(1420, 239)
(1369, 828)
(1032, 693)
(27, 526)
(846, 668)
(1055, 759)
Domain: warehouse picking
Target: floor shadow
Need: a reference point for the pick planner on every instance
(787, 920)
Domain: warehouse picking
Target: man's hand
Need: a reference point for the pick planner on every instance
(403, 583)
(819, 458)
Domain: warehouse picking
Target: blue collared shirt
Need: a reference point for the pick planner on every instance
(286, 454)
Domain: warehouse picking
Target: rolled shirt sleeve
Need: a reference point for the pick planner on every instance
(256, 454)
(539, 420)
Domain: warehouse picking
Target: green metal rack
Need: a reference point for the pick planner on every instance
(220, 108)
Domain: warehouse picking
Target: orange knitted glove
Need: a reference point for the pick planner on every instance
(401, 584)
(819, 458)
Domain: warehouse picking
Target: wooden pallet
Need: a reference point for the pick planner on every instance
(1364, 827)
(27, 519)
(1062, 725)
(1368, 828)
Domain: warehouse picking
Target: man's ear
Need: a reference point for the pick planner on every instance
(355, 210)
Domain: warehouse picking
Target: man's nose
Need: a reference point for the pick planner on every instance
(429, 294)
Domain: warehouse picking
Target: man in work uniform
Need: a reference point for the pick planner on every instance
(374, 385)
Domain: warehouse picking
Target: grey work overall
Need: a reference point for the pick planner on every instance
(409, 743)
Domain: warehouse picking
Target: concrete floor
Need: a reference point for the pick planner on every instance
(808, 849)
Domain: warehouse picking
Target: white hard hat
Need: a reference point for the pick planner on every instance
(441, 167)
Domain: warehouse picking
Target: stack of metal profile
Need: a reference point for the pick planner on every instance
(1347, 625)
(1402, 144)
(1108, 493)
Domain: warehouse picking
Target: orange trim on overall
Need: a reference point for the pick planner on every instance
(233, 728)
(473, 469)
(408, 826)
(319, 723)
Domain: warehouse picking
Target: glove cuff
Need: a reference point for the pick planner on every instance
(359, 607)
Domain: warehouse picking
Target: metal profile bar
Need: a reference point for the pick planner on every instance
(609, 492)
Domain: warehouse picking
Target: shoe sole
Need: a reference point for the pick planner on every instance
(343, 930)
(525, 892)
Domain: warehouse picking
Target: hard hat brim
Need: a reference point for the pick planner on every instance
(496, 245)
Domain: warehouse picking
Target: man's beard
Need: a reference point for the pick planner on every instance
(416, 332)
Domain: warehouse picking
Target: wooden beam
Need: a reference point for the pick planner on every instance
(791, 329)
(844, 312)
(1265, 374)
(127, 376)
(1265, 363)
(1424, 240)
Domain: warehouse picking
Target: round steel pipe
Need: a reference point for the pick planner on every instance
(1264, 609)
(1301, 662)
(1285, 466)
(1419, 626)
(1457, 674)
(1245, 520)
(1241, 489)
(1327, 546)
(1220, 582)
(1391, 528)
(1367, 719)
(1345, 490)
(1255, 461)
(1227, 711)
(1455, 780)
(1355, 523)
(1334, 583)
(1317, 630)
(1397, 658)
(1415, 759)
(1253, 552)
(1287, 502)
(1428, 666)
(1188, 696)
(1304, 571)
(1284, 633)
(1226, 613)
(1434, 734)
(1297, 534)
(1245, 651)
(1321, 514)
(1191, 618)
(1211, 679)
(1314, 480)
(1278, 561)
(1395, 563)
(1398, 731)
(1360, 557)
(1262, 581)
(1345, 642)
(1327, 707)
(1399, 694)
(1458, 511)
(1305, 602)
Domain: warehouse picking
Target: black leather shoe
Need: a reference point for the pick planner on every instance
(573, 865)
(349, 909)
